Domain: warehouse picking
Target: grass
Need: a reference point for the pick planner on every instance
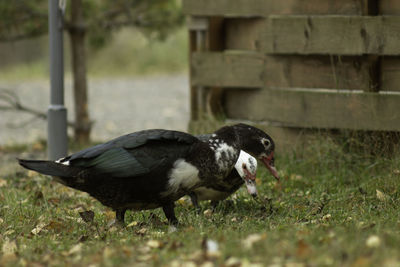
(334, 207)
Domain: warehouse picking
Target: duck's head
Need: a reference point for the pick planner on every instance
(246, 166)
(259, 144)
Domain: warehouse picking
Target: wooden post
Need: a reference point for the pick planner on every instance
(198, 27)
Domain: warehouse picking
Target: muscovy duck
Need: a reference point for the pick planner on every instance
(153, 168)
(243, 173)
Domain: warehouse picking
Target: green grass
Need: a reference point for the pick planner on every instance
(325, 213)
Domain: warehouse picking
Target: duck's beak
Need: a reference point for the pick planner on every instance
(250, 181)
(269, 163)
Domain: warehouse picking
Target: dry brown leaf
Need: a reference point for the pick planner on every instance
(56, 226)
(381, 196)
(39, 228)
(154, 244)
(233, 262)
(54, 201)
(250, 240)
(361, 262)
(77, 249)
(3, 182)
(9, 247)
(141, 231)
(110, 215)
(107, 253)
(373, 241)
(208, 213)
(9, 232)
(303, 249)
(32, 173)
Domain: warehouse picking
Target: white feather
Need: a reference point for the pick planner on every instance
(183, 175)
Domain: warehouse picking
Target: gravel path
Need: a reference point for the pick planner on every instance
(117, 105)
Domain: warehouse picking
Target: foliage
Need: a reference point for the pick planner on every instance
(24, 19)
(334, 207)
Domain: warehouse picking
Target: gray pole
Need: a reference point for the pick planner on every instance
(57, 113)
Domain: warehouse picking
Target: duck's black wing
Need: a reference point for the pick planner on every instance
(130, 155)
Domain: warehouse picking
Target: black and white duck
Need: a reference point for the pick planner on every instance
(244, 173)
(153, 168)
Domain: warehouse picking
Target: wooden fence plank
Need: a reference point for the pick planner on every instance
(330, 72)
(256, 8)
(390, 74)
(319, 109)
(389, 7)
(228, 69)
(340, 35)
(243, 33)
(253, 70)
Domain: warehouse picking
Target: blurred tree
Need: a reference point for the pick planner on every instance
(93, 20)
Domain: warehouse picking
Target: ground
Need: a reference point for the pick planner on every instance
(116, 105)
(335, 206)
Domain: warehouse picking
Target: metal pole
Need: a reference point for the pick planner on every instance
(57, 113)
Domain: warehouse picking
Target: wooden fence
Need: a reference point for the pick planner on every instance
(332, 64)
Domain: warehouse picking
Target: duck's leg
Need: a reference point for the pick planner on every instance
(193, 198)
(120, 216)
(170, 213)
(119, 220)
(214, 204)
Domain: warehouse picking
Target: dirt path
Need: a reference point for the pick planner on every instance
(117, 105)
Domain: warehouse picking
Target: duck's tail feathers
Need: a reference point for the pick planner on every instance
(49, 167)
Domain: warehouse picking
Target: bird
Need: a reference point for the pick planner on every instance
(153, 168)
(243, 173)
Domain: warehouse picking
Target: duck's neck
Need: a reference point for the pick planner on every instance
(224, 144)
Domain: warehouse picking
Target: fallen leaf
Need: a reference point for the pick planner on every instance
(3, 182)
(110, 215)
(87, 216)
(250, 240)
(39, 228)
(141, 231)
(233, 262)
(9, 232)
(56, 226)
(326, 217)
(303, 249)
(373, 241)
(32, 173)
(134, 223)
(154, 244)
(1, 221)
(9, 247)
(54, 201)
(75, 249)
(208, 213)
(381, 196)
(361, 262)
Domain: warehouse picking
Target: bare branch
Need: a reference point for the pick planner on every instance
(9, 101)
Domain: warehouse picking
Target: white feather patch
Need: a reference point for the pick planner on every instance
(247, 159)
(183, 175)
(64, 163)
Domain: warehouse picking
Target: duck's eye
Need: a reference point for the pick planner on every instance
(266, 142)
